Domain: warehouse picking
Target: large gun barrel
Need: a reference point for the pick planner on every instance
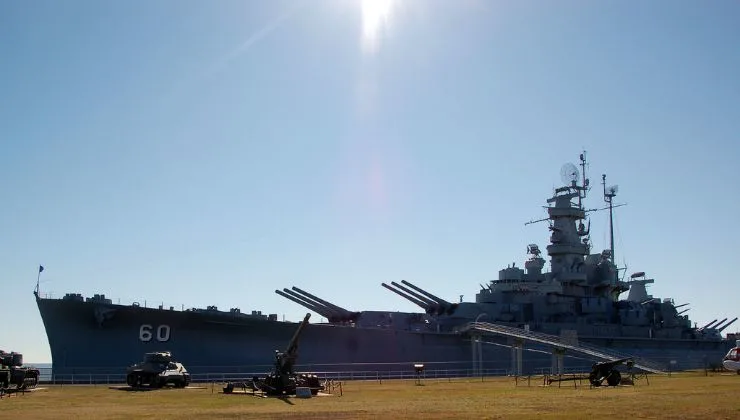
(708, 324)
(424, 292)
(293, 345)
(403, 295)
(308, 305)
(720, 329)
(719, 323)
(414, 294)
(329, 305)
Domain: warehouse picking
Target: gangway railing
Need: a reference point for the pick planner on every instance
(558, 342)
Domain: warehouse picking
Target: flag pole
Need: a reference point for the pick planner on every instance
(38, 278)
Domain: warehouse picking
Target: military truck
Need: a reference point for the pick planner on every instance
(157, 370)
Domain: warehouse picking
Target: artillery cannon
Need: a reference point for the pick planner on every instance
(157, 370)
(607, 371)
(14, 375)
(283, 380)
(600, 372)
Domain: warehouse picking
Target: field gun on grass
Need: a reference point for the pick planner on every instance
(14, 375)
(283, 380)
(600, 372)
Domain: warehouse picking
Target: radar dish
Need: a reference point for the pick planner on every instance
(569, 174)
(612, 191)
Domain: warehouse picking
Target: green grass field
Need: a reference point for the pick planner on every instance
(679, 396)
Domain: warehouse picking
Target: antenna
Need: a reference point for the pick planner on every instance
(584, 186)
(609, 194)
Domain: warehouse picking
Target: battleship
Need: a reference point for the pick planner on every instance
(580, 298)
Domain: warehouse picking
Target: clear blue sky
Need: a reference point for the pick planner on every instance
(208, 152)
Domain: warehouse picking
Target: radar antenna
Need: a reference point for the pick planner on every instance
(569, 175)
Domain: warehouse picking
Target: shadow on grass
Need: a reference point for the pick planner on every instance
(133, 389)
(285, 398)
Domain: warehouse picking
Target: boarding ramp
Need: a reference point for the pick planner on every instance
(559, 343)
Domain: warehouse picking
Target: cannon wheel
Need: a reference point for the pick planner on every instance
(614, 378)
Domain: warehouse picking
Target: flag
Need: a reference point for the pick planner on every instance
(41, 268)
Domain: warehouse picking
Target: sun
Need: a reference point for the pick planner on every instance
(375, 15)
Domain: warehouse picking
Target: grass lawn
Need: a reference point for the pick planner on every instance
(685, 395)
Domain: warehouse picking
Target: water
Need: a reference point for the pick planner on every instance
(44, 370)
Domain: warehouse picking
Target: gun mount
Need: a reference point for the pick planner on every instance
(13, 375)
(283, 380)
(600, 372)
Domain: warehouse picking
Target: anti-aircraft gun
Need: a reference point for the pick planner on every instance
(14, 375)
(157, 370)
(283, 380)
(600, 372)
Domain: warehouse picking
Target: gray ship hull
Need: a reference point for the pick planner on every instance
(92, 338)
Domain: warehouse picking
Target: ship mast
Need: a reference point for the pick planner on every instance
(584, 185)
(609, 194)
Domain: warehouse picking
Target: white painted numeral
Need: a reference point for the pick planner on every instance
(163, 333)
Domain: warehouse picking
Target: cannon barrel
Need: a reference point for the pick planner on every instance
(685, 310)
(718, 324)
(424, 292)
(610, 363)
(720, 329)
(414, 294)
(293, 345)
(324, 308)
(681, 305)
(330, 305)
(403, 295)
(708, 324)
(319, 310)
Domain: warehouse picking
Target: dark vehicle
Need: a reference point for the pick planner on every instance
(14, 375)
(283, 380)
(157, 370)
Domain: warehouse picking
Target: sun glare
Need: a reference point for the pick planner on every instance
(375, 15)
